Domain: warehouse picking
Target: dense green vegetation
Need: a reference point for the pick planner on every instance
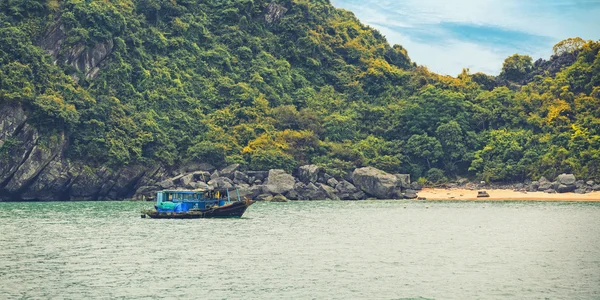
(215, 81)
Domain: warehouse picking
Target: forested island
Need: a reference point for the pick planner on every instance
(101, 98)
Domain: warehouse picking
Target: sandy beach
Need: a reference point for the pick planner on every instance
(504, 195)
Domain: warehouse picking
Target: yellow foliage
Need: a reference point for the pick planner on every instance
(569, 45)
(557, 111)
(264, 142)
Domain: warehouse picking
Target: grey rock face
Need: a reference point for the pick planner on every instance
(566, 179)
(416, 186)
(198, 185)
(332, 182)
(562, 188)
(242, 177)
(293, 195)
(250, 192)
(202, 176)
(375, 182)
(279, 198)
(328, 191)
(166, 184)
(274, 13)
(544, 186)
(229, 171)
(279, 182)
(410, 194)
(404, 180)
(221, 183)
(23, 159)
(186, 180)
(309, 173)
(596, 187)
(83, 58)
(347, 191)
(533, 187)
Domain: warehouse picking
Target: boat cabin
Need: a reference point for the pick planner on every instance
(185, 201)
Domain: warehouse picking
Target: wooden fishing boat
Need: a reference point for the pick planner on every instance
(197, 204)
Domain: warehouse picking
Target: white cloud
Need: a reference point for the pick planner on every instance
(555, 19)
(450, 58)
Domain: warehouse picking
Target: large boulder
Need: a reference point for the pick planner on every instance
(293, 195)
(312, 192)
(199, 185)
(596, 187)
(347, 191)
(221, 183)
(566, 179)
(403, 180)
(203, 176)
(279, 182)
(375, 182)
(332, 182)
(250, 192)
(410, 194)
(544, 185)
(185, 180)
(416, 186)
(240, 176)
(279, 198)
(563, 188)
(533, 186)
(229, 171)
(166, 184)
(328, 191)
(309, 173)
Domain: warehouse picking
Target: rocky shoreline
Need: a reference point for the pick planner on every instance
(309, 182)
(564, 183)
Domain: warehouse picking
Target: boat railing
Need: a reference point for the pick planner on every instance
(196, 196)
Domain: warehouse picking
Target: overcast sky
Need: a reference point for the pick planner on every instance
(449, 35)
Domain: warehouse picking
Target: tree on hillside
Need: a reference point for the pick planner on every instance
(516, 67)
(569, 45)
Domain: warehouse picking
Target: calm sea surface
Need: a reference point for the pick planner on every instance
(300, 250)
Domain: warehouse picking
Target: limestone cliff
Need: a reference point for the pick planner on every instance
(34, 167)
(83, 58)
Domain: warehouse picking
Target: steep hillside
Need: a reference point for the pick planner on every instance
(96, 96)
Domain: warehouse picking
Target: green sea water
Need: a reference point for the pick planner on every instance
(303, 250)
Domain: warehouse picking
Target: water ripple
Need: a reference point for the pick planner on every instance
(332, 250)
